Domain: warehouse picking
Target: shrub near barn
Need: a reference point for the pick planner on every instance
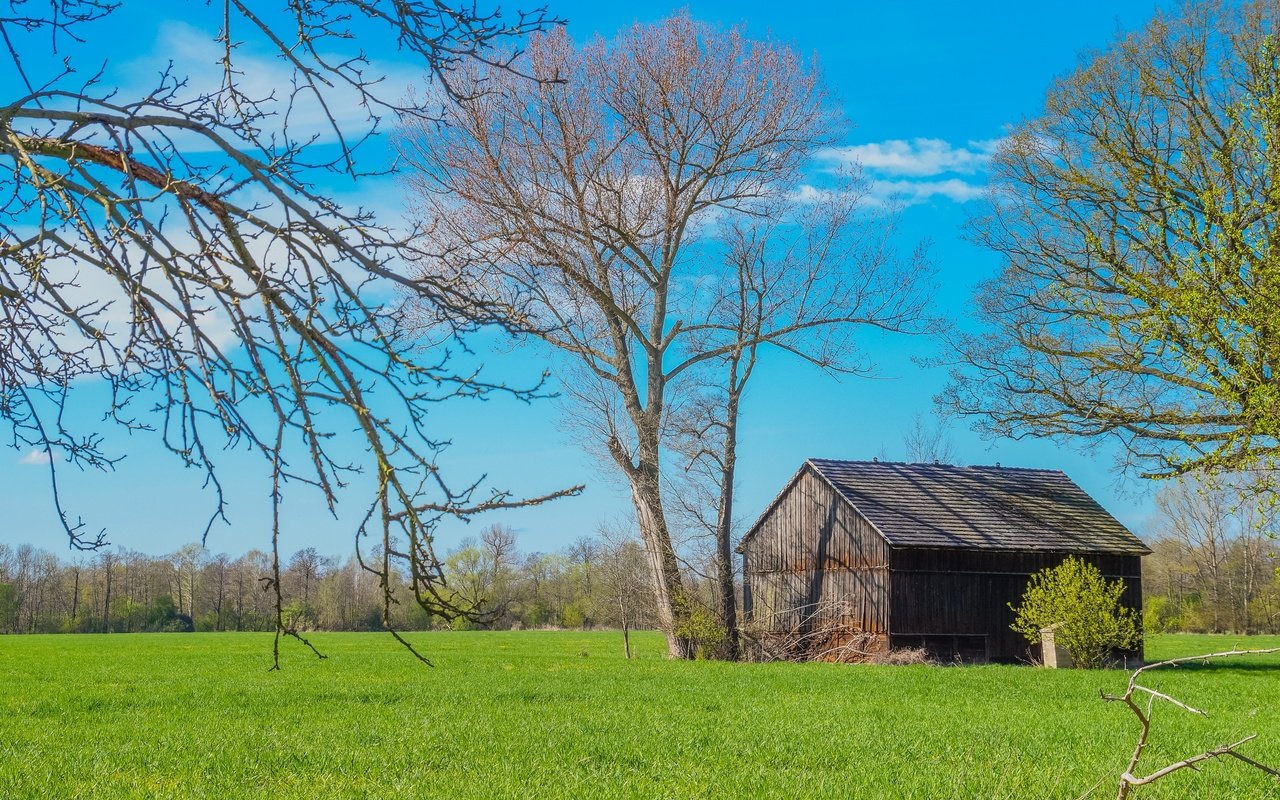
(1087, 610)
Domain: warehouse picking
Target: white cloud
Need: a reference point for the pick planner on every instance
(910, 171)
(808, 193)
(919, 157)
(912, 192)
(264, 76)
(899, 192)
(38, 457)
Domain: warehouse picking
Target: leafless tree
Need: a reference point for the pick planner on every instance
(822, 262)
(178, 242)
(622, 210)
(1212, 537)
(622, 563)
(925, 444)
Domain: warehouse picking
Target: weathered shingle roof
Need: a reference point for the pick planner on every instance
(988, 508)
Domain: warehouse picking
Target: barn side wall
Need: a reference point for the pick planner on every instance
(966, 593)
(814, 555)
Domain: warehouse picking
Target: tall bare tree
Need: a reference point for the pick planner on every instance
(589, 210)
(823, 263)
(925, 443)
(173, 241)
(1211, 544)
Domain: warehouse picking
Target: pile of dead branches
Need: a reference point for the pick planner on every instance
(823, 631)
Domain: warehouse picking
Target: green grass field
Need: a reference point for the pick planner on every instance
(562, 714)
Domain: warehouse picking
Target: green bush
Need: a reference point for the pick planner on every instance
(1086, 608)
(574, 616)
(1159, 615)
(700, 626)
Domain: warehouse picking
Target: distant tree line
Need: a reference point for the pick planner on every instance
(1214, 561)
(594, 582)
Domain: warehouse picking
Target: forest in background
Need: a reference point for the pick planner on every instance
(1213, 569)
(593, 582)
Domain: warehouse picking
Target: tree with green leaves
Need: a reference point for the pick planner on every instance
(1140, 297)
(1086, 610)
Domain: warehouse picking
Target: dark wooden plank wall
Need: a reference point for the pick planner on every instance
(811, 550)
(968, 592)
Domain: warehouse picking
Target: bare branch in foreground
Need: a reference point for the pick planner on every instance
(1129, 780)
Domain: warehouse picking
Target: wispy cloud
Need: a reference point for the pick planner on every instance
(897, 168)
(900, 192)
(36, 457)
(308, 113)
(919, 191)
(918, 157)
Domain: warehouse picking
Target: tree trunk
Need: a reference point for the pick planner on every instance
(724, 532)
(668, 586)
(106, 603)
(626, 633)
(75, 597)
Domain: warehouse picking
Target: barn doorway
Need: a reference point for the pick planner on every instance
(946, 647)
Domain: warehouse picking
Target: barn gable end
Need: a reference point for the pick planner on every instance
(812, 550)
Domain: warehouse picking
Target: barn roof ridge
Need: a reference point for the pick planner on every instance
(921, 504)
(937, 464)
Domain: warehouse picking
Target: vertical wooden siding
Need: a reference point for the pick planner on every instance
(968, 592)
(812, 551)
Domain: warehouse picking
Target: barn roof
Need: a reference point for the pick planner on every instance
(985, 508)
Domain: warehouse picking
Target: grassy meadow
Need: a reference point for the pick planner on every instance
(562, 714)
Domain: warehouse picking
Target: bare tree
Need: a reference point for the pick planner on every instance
(1198, 515)
(1211, 541)
(590, 211)
(172, 240)
(483, 573)
(623, 565)
(925, 444)
(824, 265)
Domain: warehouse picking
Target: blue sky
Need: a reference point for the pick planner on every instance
(927, 87)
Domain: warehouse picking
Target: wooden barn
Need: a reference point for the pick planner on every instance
(924, 555)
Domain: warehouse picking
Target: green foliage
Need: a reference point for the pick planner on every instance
(164, 617)
(127, 615)
(1087, 608)
(8, 607)
(1160, 616)
(300, 616)
(462, 624)
(1136, 219)
(700, 626)
(522, 714)
(574, 615)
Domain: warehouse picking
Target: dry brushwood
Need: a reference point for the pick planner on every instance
(1143, 711)
(822, 631)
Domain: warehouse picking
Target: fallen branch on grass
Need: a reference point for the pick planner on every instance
(1129, 779)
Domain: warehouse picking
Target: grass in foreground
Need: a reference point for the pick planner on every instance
(562, 714)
